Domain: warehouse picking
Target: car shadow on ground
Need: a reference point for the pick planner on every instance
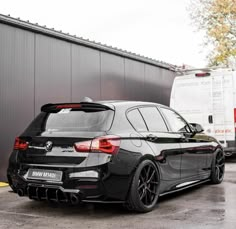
(100, 209)
(231, 159)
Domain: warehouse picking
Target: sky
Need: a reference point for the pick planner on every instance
(158, 29)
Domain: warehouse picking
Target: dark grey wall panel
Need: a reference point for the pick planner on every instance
(52, 71)
(153, 85)
(166, 79)
(158, 83)
(85, 73)
(16, 87)
(134, 80)
(112, 77)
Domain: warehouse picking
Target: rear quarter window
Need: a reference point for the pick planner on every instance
(136, 120)
(153, 119)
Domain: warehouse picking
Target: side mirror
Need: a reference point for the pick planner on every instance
(197, 127)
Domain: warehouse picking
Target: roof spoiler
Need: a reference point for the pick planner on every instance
(53, 107)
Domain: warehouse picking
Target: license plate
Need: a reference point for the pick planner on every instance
(41, 174)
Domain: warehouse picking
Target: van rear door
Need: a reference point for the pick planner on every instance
(207, 100)
(191, 97)
(222, 94)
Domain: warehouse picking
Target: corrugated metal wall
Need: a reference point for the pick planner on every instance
(36, 69)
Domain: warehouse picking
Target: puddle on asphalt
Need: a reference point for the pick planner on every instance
(232, 181)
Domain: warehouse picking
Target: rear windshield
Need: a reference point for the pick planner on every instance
(72, 120)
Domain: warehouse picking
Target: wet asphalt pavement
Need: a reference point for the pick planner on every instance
(205, 206)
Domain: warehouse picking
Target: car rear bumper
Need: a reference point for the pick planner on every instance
(50, 193)
(107, 181)
(54, 193)
(106, 187)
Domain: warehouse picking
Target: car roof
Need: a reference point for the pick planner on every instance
(119, 104)
(128, 103)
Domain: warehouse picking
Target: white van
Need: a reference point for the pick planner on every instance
(207, 97)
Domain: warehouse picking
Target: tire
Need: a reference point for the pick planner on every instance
(228, 154)
(218, 168)
(144, 189)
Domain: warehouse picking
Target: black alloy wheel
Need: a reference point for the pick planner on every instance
(218, 168)
(145, 187)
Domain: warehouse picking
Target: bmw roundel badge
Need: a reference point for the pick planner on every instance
(48, 146)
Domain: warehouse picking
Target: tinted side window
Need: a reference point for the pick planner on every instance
(136, 120)
(175, 121)
(153, 119)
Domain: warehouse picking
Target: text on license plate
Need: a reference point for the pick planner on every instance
(40, 174)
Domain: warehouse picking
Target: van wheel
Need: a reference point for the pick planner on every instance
(218, 168)
(228, 154)
(144, 189)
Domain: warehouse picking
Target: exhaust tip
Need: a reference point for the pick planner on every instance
(74, 199)
(20, 192)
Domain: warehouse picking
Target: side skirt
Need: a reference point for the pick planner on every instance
(104, 201)
(184, 187)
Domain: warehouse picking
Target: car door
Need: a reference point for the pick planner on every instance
(194, 148)
(164, 144)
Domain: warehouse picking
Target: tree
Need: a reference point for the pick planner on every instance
(218, 19)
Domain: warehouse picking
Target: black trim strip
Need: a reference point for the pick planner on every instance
(183, 188)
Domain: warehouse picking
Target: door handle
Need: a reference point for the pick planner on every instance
(152, 137)
(210, 119)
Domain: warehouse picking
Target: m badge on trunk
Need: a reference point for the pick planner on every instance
(48, 146)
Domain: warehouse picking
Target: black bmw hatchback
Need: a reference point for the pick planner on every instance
(112, 151)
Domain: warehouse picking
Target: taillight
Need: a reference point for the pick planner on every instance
(83, 146)
(106, 144)
(202, 74)
(20, 144)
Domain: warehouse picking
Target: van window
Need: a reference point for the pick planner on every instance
(153, 119)
(175, 121)
(136, 120)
